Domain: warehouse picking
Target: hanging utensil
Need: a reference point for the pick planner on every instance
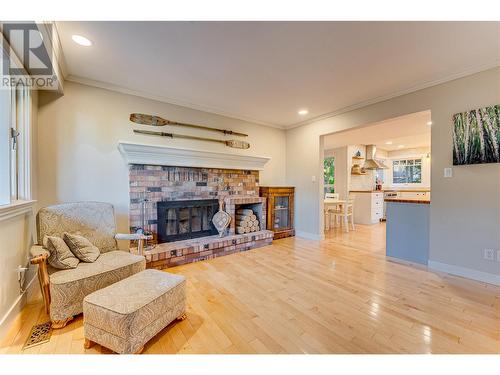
(142, 119)
(230, 142)
(221, 219)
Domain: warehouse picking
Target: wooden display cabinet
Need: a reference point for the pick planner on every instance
(280, 215)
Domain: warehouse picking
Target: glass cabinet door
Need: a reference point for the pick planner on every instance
(281, 212)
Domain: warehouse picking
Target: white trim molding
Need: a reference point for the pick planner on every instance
(17, 306)
(310, 236)
(469, 273)
(16, 208)
(137, 153)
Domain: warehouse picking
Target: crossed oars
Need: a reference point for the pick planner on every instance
(159, 121)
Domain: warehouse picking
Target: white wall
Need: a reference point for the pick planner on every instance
(79, 133)
(465, 209)
(15, 240)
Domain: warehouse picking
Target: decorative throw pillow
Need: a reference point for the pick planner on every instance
(82, 247)
(60, 255)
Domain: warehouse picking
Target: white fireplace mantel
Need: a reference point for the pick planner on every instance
(138, 153)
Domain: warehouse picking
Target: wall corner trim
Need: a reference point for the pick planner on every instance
(469, 273)
(310, 236)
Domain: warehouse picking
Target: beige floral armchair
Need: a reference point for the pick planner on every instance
(64, 290)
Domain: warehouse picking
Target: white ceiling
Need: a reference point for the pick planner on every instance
(266, 71)
(410, 131)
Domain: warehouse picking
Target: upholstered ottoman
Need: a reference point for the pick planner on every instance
(126, 315)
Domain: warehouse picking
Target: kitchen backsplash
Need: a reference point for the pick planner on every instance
(364, 182)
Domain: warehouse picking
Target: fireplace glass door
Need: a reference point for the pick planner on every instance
(180, 220)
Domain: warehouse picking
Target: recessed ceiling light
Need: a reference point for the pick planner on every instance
(429, 123)
(81, 40)
(303, 112)
(388, 143)
(401, 146)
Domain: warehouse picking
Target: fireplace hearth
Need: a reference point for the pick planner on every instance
(182, 220)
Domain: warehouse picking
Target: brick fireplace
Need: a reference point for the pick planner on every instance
(176, 205)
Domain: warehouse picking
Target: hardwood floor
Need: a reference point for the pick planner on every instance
(340, 295)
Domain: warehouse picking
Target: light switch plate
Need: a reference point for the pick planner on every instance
(498, 255)
(448, 173)
(313, 178)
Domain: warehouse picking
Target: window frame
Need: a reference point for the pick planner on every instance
(24, 204)
(413, 159)
(15, 174)
(380, 173)
(23, 124)
(5, 147)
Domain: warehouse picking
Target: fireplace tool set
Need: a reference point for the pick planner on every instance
(148, 243)
(143, 119)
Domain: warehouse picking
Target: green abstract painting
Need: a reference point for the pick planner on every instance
(476, 136)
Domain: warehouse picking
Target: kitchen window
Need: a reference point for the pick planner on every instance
(329, 174)
(380, 176)
(407, 171)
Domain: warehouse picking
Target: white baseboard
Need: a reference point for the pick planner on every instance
(309, 236)
(16, 308)
(469, 273)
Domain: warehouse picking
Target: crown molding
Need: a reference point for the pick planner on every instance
(473, 70)
(108, 86)
(163, 99)
(139, 153)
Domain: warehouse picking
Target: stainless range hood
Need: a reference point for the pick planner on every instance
(371, 162)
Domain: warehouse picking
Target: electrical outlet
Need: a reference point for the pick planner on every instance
(489, 254)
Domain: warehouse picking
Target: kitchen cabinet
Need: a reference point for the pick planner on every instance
(368, 207)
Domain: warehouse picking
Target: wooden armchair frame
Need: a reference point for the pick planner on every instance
(43, 279)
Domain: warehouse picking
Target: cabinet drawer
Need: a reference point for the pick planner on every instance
(377, 215)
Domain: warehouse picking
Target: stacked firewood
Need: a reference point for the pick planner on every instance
(246, 221)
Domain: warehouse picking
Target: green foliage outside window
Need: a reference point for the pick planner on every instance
(329, 170)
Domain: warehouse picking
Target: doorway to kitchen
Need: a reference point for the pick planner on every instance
(366, 167)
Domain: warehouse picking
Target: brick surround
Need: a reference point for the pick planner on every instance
(159, 183)
(238, 188)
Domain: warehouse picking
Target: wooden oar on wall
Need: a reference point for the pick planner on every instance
(230, 142)
(142, 119)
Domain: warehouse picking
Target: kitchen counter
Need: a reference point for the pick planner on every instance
(407, 234)
(366, 191)
(423, 190)
(409, 200)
